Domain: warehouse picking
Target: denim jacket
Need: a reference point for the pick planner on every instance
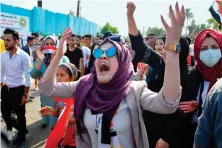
(209, 131)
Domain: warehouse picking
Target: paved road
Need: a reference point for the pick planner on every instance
(36, 137)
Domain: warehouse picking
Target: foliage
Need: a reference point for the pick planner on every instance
(157, 31)
(72, 13)
(108, 27)
(194, 29)
(212, 23)
(189, 15)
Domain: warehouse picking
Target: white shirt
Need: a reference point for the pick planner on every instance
(122, 123)
(86, 53)
(15, 70)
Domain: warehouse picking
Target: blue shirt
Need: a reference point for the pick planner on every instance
(39, 73)
(209, 130)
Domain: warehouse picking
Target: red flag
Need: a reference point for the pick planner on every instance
(59, 130)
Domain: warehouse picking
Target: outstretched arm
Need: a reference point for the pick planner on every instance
(48, 87)
(143, 53)
(171, 85)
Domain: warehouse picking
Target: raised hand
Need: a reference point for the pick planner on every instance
(39, 53)
(173, 31)
(142, 70)
(62, 42)
(130, 9)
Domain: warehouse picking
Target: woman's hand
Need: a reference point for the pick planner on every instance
(47, 111)
(188, 106)
(173, 32)
(142, 70)
(171, 85)
(62, 42)
(162, 144)
(39, 53)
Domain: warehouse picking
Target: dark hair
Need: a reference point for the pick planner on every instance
(30, 38)
(73, 35)
(161, 38)
(35, 34)
(74, 71)
(78, 36)
(151, 34)
(87, 36)
(41, 39)
(99, 36)
(188, 40)
(14, 33)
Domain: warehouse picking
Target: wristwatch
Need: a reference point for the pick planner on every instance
(173, 47)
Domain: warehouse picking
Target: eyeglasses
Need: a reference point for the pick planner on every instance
(97, 53)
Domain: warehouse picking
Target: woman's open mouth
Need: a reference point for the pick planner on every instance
(103, 67)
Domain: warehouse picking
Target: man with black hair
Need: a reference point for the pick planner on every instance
(75, 54)
(15, 84)
(150, 40)
(87, 40)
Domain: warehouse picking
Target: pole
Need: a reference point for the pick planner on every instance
(78, 9)
(39, 3)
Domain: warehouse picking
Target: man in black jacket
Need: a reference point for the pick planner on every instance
(30, 44)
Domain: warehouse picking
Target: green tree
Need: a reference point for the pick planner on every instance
(108, 27)
(189, 15)
(72, 13)
(157, 31)
(212, 23)
(194, 29)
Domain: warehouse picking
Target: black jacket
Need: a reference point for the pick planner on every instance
(167, 127)
(26, 49)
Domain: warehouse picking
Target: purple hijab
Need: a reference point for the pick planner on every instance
(104, 97)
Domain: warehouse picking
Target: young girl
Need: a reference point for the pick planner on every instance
(65, 73)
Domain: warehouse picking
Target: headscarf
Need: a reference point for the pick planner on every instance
(49, 50)
(183, 53)
(210, 74)
(54, 38)
(100, 97)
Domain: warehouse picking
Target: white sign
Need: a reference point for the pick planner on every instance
(15, 22)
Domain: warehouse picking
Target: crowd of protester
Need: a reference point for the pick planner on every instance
(151, 92)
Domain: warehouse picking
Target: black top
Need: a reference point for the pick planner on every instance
(171, 128)
(74, 56)
(146, 54)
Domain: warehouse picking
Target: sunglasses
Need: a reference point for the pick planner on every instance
(110, 52)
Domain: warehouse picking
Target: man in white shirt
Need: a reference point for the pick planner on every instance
(15, 84)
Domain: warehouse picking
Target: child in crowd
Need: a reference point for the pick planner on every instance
(66, 73)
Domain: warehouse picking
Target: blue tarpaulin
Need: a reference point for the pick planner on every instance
(47, 22)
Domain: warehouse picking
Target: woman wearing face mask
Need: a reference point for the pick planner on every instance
(108, 104)
(49, 46)
(207, 53)
(66, 72)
